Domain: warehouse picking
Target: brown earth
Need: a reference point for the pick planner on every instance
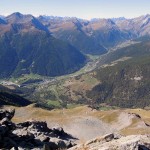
(85, 123)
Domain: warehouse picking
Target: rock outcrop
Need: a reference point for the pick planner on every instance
(31, 134)
(36, 135)
(116, 142)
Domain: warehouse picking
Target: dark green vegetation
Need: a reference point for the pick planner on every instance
(126, 84)
(7, 97)
(29, 45)
(37, 53)
(81, 41)
(26, 46)
(123, 83)
(139, 49)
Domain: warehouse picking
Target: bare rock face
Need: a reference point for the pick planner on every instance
(113, 142)
(7, 114)
(31, 134)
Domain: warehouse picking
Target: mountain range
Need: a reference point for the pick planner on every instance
(53, 46)
(102, 33)
(40, 58)
(27, 46)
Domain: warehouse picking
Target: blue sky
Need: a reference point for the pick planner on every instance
(86, 9)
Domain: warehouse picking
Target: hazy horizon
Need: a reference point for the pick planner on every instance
(81, 9)
(5, 15)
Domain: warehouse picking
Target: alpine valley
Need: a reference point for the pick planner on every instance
(91, 77)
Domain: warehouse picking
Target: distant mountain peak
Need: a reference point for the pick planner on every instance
(14, 17)
(16, 14)
(147, 15)
(110, 21)
(118, 19)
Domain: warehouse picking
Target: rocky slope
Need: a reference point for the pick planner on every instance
(31, 134)
(138, 26)
(129, 127)
(86, 123)
(116, 142)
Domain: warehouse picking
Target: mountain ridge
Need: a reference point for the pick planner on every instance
(99, 33)
(26, 45)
